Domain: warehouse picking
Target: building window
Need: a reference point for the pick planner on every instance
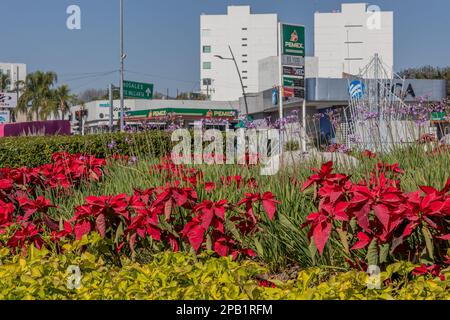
(244, 29)
(244, 61)
(244, 39)
(244, 71)
(206, 49)
(245, 55)
(244, 44)
(206, 65)
(207, 82)
(244, 78)
(206, 32)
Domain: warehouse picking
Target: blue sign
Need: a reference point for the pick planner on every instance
(275, 97)
(356, 89)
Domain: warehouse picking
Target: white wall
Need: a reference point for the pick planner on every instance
(219, 31)
(11, 69)
(344, 43)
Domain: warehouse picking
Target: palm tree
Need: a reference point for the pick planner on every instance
(4, 81)
(37, 96)
(61, 102)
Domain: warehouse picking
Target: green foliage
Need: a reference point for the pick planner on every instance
(35, 151)
(43, 275)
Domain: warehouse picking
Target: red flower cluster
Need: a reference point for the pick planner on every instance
(23, 213)
(382, 212)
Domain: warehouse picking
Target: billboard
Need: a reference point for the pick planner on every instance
(8, 100)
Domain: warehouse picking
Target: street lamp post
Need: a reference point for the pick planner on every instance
(122, 64)
(239, 74)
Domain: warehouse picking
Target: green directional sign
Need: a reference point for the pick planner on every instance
(438, 116)
(137, 90)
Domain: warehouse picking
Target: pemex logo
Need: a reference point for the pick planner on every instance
(294, 36)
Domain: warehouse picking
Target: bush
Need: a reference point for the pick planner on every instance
(35, 151)
(174, 276)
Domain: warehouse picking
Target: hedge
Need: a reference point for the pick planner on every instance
(35, 151)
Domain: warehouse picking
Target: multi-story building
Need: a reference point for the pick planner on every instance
(345, 41)
(251, 38)
(15, 71)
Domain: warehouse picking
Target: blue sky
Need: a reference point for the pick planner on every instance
(162, 37)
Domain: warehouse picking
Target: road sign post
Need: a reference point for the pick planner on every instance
(292, 69)
(137, 90)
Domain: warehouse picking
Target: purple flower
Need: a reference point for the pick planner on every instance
(112, 144)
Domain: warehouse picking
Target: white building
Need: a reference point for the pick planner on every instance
(15, 71)
(346, 40)
(251, 37)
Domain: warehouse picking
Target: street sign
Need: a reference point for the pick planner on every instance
(293, 82)
(438, 116)
(137, 90)
(8, 100)
(294, 71)
(293, 40)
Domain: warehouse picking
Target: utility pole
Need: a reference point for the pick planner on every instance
(122, 64)
(12, 113)
(239, 74)
(111, 107)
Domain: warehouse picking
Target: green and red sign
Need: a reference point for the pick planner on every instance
(293, 37)
(208, 113)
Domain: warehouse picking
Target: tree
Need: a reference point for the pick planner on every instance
(4, 82)
(37, 96)
(63, 100)
(93, 94)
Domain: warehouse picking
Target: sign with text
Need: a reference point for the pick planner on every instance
(293, 82)
(137, 90)
(294, 61)
(294, 71)
(8, 100)
(293, 40)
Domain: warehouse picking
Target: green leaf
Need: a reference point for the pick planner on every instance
(119, 233)
(372, 253)
(258, 246)
(344, 239)
(384, 252)
(428, 241)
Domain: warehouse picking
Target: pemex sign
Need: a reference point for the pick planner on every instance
(137, 90)
(293, 40)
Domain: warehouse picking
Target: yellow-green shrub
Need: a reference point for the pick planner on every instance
(43, 275)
